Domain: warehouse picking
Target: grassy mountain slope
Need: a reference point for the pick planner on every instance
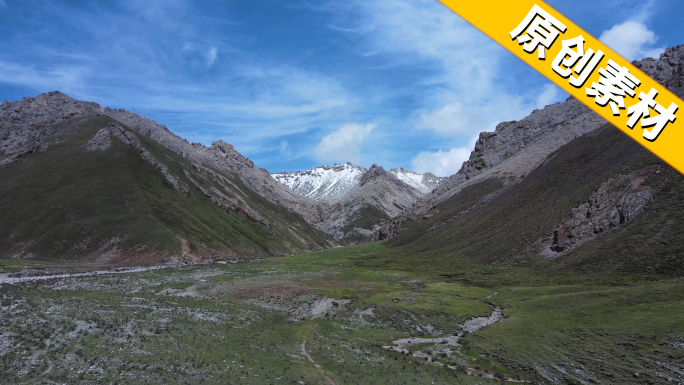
(512, 226)
(112, 206)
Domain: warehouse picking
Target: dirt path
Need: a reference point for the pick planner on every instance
(307, 333)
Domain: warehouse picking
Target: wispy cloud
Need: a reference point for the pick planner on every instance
(285, 148)
(64, 77)
(153, 58)
(212, 54)
(462, 92)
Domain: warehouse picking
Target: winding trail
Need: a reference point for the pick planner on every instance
(320, 369)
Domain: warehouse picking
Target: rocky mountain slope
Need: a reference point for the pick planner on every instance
(91, 183)
(559, 184)
(378, 197)
(324, 183)
(424, 183)
(329, 184)
(358, 201)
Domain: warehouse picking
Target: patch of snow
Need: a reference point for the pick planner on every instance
(324, 183)
(424, 183)
(329, 184)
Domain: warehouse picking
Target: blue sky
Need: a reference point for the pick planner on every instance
(297, 84)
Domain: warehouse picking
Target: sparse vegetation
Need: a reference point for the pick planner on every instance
(325, 316)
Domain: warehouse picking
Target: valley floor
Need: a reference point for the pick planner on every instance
(363, 314)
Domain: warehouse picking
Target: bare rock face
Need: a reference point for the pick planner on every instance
(668, 70)
(517, 147)
(25, 124)
(616, 202)
(159, 133)
(101, 141)
(431, 180)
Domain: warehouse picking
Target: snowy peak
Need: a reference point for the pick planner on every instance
(324, 183)
(421, 182)
(329, 184)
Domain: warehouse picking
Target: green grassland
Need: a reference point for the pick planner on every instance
(256, 322)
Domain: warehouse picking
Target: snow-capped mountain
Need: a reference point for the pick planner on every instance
(324, 183)
(421, 182)
(329, 184)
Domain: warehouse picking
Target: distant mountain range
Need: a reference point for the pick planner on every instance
(357, 201)
(324, 183)
(329, 184)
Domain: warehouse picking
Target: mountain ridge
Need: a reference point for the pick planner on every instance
(162, 198)
(328, 184)
(516, 148)
(357, 201)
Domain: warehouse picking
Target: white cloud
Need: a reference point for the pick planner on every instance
(441, 163)
(344, 144)
(285, 148)
(202, 57)
(466, 118)
(211, 56)
(633, 40)
(63, 78)
(464, 67)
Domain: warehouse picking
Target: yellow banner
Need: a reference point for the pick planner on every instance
(585, 68)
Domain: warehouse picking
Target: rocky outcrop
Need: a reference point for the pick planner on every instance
(236, 204)
(25, 124)
(617, 201)
(101, 141)
(517, 147)
(668, 70)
